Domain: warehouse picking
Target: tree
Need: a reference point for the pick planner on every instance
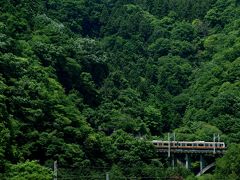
(183, 31)
(228, 166)
(29, 170)
(173, 73)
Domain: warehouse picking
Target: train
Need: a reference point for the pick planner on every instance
(188, 144)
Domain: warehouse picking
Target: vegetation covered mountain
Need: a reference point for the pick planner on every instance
(88, 83)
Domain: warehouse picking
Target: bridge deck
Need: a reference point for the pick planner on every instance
(191, 151)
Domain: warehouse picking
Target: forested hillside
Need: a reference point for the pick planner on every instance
(88, 83)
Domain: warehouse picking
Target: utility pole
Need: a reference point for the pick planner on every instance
(169, 147)
(55, 170)
(214, 144)
(174, 137)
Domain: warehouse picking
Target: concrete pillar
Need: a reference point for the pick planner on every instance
(173, 161)
(188, 163)
(107, 176)
(202, 163)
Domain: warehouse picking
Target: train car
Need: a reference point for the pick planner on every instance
(189, 144)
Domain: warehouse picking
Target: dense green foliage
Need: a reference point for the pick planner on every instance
(87, 82)
(28, 171)
(229, 164)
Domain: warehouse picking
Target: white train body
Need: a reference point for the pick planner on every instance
(189, 144)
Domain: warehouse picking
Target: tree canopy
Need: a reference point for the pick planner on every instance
(89, 83)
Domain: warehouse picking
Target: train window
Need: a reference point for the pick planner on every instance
(206, 144)
(155, 143)
(165, 144)
(211, 144)
(189, 144)
(194, 144)
(183, 144)
(200, 144)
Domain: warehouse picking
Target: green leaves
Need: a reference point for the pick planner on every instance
(29, 170)
(183, 31)
(88, 82)
(153, 119)
(193, 131)
(4, 144)
(174, 73)
(229, 164)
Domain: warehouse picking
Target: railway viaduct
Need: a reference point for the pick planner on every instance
(181, 152)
